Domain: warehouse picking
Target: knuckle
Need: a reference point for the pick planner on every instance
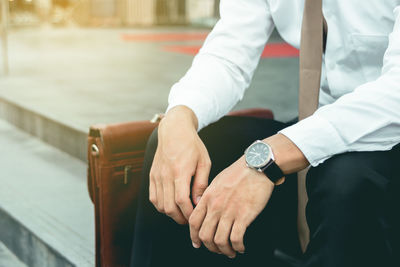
(180, 200)
(213, 249)
(205, 162)
(160, 209)
(208, 163)
(207, 196)
(236, 240)
(175, 169)
(180, 221)
(202, 185)
(161, 177)
(177, 182)
(164, 173)
(152, 173)
(169, 211)
(170, 214)
(153, 200)
(216, 206)
(205, 237)
(219, 241)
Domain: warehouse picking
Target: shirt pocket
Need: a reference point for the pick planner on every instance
(370, 50)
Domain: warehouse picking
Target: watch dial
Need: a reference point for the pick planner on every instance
(257, 155)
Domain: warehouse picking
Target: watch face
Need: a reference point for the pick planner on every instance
(258, 155)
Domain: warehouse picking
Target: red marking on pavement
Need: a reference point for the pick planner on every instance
(162, 37)
(272, 50)
(183, 49)
(279, 50)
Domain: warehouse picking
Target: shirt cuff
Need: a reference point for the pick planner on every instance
(316, 138)
(193, 100)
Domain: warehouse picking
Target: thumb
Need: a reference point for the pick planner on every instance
(200, 182)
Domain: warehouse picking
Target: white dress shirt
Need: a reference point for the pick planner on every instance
(360, 84)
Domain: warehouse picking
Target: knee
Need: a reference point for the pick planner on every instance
(340, 179)
(336, 190)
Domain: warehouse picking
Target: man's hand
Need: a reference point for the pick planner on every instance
(236, 197)
(180, 155)
(229, 205)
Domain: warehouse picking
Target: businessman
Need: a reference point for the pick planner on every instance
(222, 191)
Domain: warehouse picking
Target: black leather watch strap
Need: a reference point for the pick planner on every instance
(273, 172)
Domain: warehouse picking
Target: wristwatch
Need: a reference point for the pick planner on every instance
(259, 156)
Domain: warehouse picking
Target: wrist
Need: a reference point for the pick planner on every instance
(287, 155)
(260, 157)
(183, 116)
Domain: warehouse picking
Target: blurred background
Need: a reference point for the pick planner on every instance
(68, 64)
(113, 12)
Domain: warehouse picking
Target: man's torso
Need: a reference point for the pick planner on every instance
(358, 36)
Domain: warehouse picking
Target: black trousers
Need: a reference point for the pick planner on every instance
(352, 210)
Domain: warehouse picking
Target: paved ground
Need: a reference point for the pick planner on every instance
(86, 76)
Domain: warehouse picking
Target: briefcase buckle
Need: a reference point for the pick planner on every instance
(157, 118)
(127, 170)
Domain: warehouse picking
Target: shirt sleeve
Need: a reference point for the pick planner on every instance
(368, 119)
(224, 66)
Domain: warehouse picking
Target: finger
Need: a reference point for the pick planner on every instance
(195, 222)
(221, 238)
(207, 232)
(160, 195)
(152, 192)
(237, 234)
(170, 207)
(200, 182)
(182, 196)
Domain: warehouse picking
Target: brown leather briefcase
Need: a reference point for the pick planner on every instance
(115, 156)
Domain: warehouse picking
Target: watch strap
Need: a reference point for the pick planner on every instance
(273, 172)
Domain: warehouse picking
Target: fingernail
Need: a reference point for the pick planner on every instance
(241, 252)
(195, 245)
(198, 199)
(232, 257)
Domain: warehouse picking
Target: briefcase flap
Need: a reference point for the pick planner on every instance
(122, 137)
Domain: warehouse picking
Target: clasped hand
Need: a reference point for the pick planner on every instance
(228, 206)
(225, 208)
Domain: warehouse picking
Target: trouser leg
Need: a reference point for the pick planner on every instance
(159, 241)
(353, 210)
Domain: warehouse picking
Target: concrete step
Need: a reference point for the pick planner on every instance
(8, 259)
(46, 217)
(55, 132)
